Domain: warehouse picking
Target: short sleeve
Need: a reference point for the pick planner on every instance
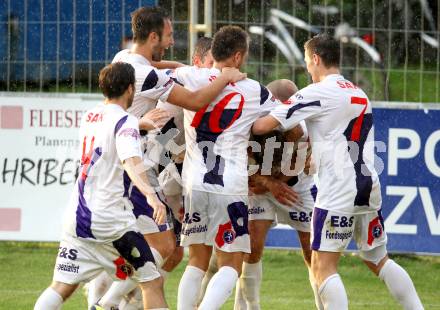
(267, 101)
(301, 106)
(157, 84)
(128, 141)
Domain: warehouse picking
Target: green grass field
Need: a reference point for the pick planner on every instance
(26, 270)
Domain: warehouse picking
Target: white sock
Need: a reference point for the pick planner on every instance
(333, 295)
(212, 269)
(49, 300)
(250, 282)
(97, 288)
(219, 288)
(189, 288)
(400, 285)
(239, 301)
(318, 302)
(116, 293)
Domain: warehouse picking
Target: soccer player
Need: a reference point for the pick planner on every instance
(171, 159)
(152, 34)
(170, 176)
(273, 202)
(339, 119)
(215, 172)
(100, 232)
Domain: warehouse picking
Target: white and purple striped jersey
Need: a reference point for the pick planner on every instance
(151, 84)
(98, 209)
(339, 121)
(217, 136)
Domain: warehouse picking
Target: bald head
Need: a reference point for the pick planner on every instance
(282, 89)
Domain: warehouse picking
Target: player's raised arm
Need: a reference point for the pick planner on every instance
(194, 101)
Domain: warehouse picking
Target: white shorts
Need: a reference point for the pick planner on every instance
(142, 210)
(216, 220)
(81, 261)
(333, 231)
(266, 207)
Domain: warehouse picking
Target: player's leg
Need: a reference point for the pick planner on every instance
(304, 239)
(212, 269)
(250, 280)
(191, 281)
(135, 264)
(53, 297)
(371, 239)
(330, 237)
(96, 288)
(173, 260)
(194, 235)
(228, 215)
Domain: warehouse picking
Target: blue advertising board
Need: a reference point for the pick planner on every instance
(410, 180)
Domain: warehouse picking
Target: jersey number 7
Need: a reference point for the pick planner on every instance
(356, 132)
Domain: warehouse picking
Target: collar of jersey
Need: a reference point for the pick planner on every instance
(333, 76)
(139, 58)
(113, 106)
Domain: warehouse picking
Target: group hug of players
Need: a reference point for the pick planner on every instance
(203, 157)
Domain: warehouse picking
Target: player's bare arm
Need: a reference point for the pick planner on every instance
(167, 64)
(194, 101)
(135, 170)
(264, 125)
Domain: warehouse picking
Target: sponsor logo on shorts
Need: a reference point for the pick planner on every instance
(338, 236)
(302, 217)
(341, 221)
(228, 236)
(256, 210)
(68, 267)
(195, 230)
(64, 252)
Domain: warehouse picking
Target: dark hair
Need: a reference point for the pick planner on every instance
(202, 47)
(325, 47)
(228, 41)
(115, 78)
(146, 20)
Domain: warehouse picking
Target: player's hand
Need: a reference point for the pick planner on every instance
(233, 74)
(257, 189)
(283, 193)
(154, 119)
(160, 211)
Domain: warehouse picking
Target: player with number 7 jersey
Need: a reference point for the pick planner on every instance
(339, 120)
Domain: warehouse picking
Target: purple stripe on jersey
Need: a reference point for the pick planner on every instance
(314, 192)
(150, 81)
(141, 206)
(120, 123)
(83, 213)
(127, 183)
(300, 106)
(319, 216)
(364, 183)
(264, 94)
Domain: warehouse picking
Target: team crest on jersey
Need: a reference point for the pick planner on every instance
(375, 230)
(225, 234)
(228, 236)
(123, 268)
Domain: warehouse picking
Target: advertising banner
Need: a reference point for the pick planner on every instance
(39, 144)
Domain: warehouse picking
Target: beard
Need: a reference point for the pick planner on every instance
(157, 53)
